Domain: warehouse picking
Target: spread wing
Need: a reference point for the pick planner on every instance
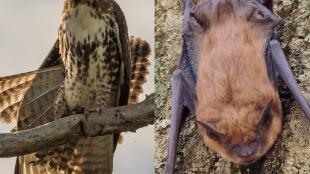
(29, 94)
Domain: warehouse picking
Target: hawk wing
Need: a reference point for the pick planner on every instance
(28, 98)
(37, 105)
(38, 95)
(124, 42)
(25, 95)
(125, 60)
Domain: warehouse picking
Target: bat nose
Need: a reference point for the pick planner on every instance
(247, 150)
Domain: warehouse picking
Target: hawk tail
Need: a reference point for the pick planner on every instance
(140, 53)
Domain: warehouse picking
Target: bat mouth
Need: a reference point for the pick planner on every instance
(246, 154)
(247, 161)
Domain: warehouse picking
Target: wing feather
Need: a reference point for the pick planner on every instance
(40, 97)
(27, 87)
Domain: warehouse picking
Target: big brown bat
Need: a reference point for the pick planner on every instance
(228, 73)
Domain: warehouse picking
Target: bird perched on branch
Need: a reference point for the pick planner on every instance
(88, 69)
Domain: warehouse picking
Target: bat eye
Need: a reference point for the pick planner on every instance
(202, 14)
(266, 115)
(259, 15)
(196, 20)
(211, 131)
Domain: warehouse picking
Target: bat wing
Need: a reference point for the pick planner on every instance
(182, 105)
(183, 88)
(281, 68)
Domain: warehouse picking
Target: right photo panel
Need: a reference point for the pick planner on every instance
(232, 84)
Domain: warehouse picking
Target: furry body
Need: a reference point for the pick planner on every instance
(228, 75)
(233, 87)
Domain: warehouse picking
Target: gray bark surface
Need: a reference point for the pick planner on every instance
(60, 131)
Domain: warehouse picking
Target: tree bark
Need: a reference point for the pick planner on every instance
(109, 121)
(291, 153)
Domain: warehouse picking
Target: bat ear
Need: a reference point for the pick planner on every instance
(204, 13)
(257, 13)
(264, 1)
(191, 25)
(211, 131)
(267, 3)
(213, 11)
(266, 115)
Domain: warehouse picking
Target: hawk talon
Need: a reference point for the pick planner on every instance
(78, 110)
(90, 129)
(86, 114)
(119, 114)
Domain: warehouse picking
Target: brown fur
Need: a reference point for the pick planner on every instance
(233, 86)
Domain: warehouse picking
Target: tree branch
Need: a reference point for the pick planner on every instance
(110, 120)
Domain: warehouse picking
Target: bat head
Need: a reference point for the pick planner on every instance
(244, 134)
(238, 109)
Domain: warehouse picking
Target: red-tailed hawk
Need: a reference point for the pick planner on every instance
(88, 69)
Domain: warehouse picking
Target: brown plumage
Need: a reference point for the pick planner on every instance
(140, 52)
(94, 51)
(238, 108)
(88, 68)
(13, 88)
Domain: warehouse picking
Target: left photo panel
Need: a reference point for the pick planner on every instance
(76, 86)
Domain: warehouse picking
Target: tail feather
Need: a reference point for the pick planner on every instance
(140, 69)
(140, 52)
(139, 47)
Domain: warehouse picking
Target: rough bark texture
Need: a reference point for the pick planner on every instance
(60, 131)
(291, 153)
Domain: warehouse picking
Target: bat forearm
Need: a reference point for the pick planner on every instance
(287, 76)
